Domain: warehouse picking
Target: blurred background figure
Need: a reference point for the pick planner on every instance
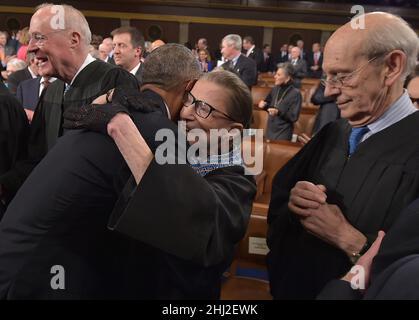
(283, 104)
(204, 59)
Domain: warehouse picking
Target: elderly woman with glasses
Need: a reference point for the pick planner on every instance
(283, 104)
(189, 215)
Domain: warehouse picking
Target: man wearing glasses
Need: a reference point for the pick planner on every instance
(62, 51)
(354, 177)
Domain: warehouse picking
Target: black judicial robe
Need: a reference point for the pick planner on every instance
(371, 188)
(72, 193)
(395, 269)
(94, 80)
(14, 131)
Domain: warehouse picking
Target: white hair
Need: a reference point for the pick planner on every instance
(395, 34)
(17, 64)
(73, 20)
(233, 40)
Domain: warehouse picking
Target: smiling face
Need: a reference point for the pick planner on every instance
(53, 55)
(361, 99)
(214, 95)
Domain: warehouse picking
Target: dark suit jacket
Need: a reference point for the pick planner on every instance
(300, 72)
(94, 80)
(28, 93)
(257, 55)
(310, 62)
(395, 269)
(245, 68)
(183, 250)
(139, 75)
(16, 78)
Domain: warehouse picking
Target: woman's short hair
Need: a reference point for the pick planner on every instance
(240, 105)
(288, 69)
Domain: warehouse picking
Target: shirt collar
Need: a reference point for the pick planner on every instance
(32, 73)
(234, 60)
(399, 110)
(134, 71)
(250, 50)
(89, 59)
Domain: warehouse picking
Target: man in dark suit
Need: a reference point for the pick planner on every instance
(300, 66)
(283, 55)
(30, 72)
(253, 52)
(315, 62)
(128, 45)
(77, 185)
(66, 56)
(303, 53)
(237, 62)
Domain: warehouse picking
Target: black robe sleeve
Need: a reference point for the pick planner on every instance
(194, 218)
(14, 131)
(46, 124)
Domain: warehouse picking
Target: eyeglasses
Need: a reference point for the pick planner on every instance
(39, 39)
(342, 81)
(202, 109)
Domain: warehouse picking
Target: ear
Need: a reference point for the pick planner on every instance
(395, 64)
(139, 51)
(75, 39)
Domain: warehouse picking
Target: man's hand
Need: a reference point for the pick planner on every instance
(303, 139)
(328, 223)
(306, 196)
(273, 111)
(366, 259)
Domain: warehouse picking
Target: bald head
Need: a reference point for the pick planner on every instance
(156, 44)
(383, 33)
(74, 20)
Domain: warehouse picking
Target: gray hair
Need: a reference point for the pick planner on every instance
(233, 40)
(17, 64)
(73, 20)
(240, 105)
(395, 34)
(169, 66)
(288, 68)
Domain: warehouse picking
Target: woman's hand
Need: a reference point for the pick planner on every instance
(273, 111)
(262, 104)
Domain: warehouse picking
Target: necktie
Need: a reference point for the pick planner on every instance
(46, 83)
(294, 62)
(316, 59)
(355, 138)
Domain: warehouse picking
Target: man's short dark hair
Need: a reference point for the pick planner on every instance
(249, 39)
(137, 38)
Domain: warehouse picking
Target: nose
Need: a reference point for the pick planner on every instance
(187, 113)
(32, 47)
(330, 91)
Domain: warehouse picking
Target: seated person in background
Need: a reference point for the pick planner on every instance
(413, 90)
(283, 104)
(205, 60)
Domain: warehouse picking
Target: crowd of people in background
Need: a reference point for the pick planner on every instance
(351, 180)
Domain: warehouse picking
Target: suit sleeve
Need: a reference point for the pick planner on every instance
(19, 94)
(250, 74)
(339, 290)
(194, 218)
